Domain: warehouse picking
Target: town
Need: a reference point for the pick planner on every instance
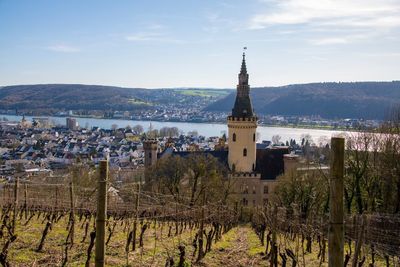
(39, 148)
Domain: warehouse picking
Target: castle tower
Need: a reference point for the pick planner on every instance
(242, 126)
(150, 152)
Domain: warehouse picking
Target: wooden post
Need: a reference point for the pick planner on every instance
(274, 247)
(26, 200)
(360, 237)
(16, 185)
(136, 217)
(336, 230)
(57, 197)
(101, 214)
(201, 229)
(72, 213)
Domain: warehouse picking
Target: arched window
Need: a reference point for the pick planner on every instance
(254, 189)
(254, 137)
(234, 137)
(233, 167)
(149, 155)
(246, 190)
(245, 152)
(265, 189)
(254, 168)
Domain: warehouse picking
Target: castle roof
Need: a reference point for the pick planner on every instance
(243, 107)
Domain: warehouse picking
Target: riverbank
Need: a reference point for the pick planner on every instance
(204, 129)
(291, 126)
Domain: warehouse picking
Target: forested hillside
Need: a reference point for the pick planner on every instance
(369, 100)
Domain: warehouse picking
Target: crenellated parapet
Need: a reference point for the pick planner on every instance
(150, 147)
(150, 144)
(239, 175)
(251, 119)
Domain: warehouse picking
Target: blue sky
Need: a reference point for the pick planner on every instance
(187, 43)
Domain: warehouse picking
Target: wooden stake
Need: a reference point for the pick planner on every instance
(72, 214)
(360, 240)
(101, 214)
(336, 230)
(16, 185)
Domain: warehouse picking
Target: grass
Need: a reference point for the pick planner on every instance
(136, 101)
(238, 247)
(203, 92)
(255, 246)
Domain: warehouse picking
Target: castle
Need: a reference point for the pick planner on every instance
(253, 166)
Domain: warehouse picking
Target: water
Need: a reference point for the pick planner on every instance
(205, 129)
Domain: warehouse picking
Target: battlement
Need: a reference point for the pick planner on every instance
(233, 118)
(150, 144)
(245, 175)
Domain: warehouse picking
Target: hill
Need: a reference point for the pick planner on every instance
(368, 100)
(44, 97)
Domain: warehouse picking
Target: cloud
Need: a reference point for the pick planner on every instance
(330, 41)
(382, 54)
(372, 14)
(152, 36)
(63, 48)
(342, 39)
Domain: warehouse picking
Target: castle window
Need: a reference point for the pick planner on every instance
(254, 167)
(245, 202)
(265, 189)
(254, 202)
(149, 155)
(246, 190)
(234, 137)
(254, 137)
(245, 152)
(254, 189)
(265, 201)
(233, 167)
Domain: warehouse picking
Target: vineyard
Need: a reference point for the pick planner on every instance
(88, 218)
(53, 224)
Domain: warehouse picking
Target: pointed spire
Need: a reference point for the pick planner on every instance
(243, 107)
(243, 69)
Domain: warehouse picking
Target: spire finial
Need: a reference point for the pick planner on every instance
(243, 68)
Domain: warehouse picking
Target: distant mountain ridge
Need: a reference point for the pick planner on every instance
(67, 96)
(55, 97)
(368, 100)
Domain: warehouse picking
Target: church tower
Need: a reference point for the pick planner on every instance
(242, 126)
(150, 147)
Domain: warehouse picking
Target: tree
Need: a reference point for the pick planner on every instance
(138, 129)
(167, 175)
(193, 133)
(276, 139)
(390, 160)
(186, 178)
(205, 173)
(307, 191)
(306, 138)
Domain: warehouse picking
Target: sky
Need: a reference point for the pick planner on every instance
(188, 43)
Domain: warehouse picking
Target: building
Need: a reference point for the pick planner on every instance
(72, 124)
(253, 167)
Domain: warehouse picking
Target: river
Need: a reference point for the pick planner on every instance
(205, 129)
